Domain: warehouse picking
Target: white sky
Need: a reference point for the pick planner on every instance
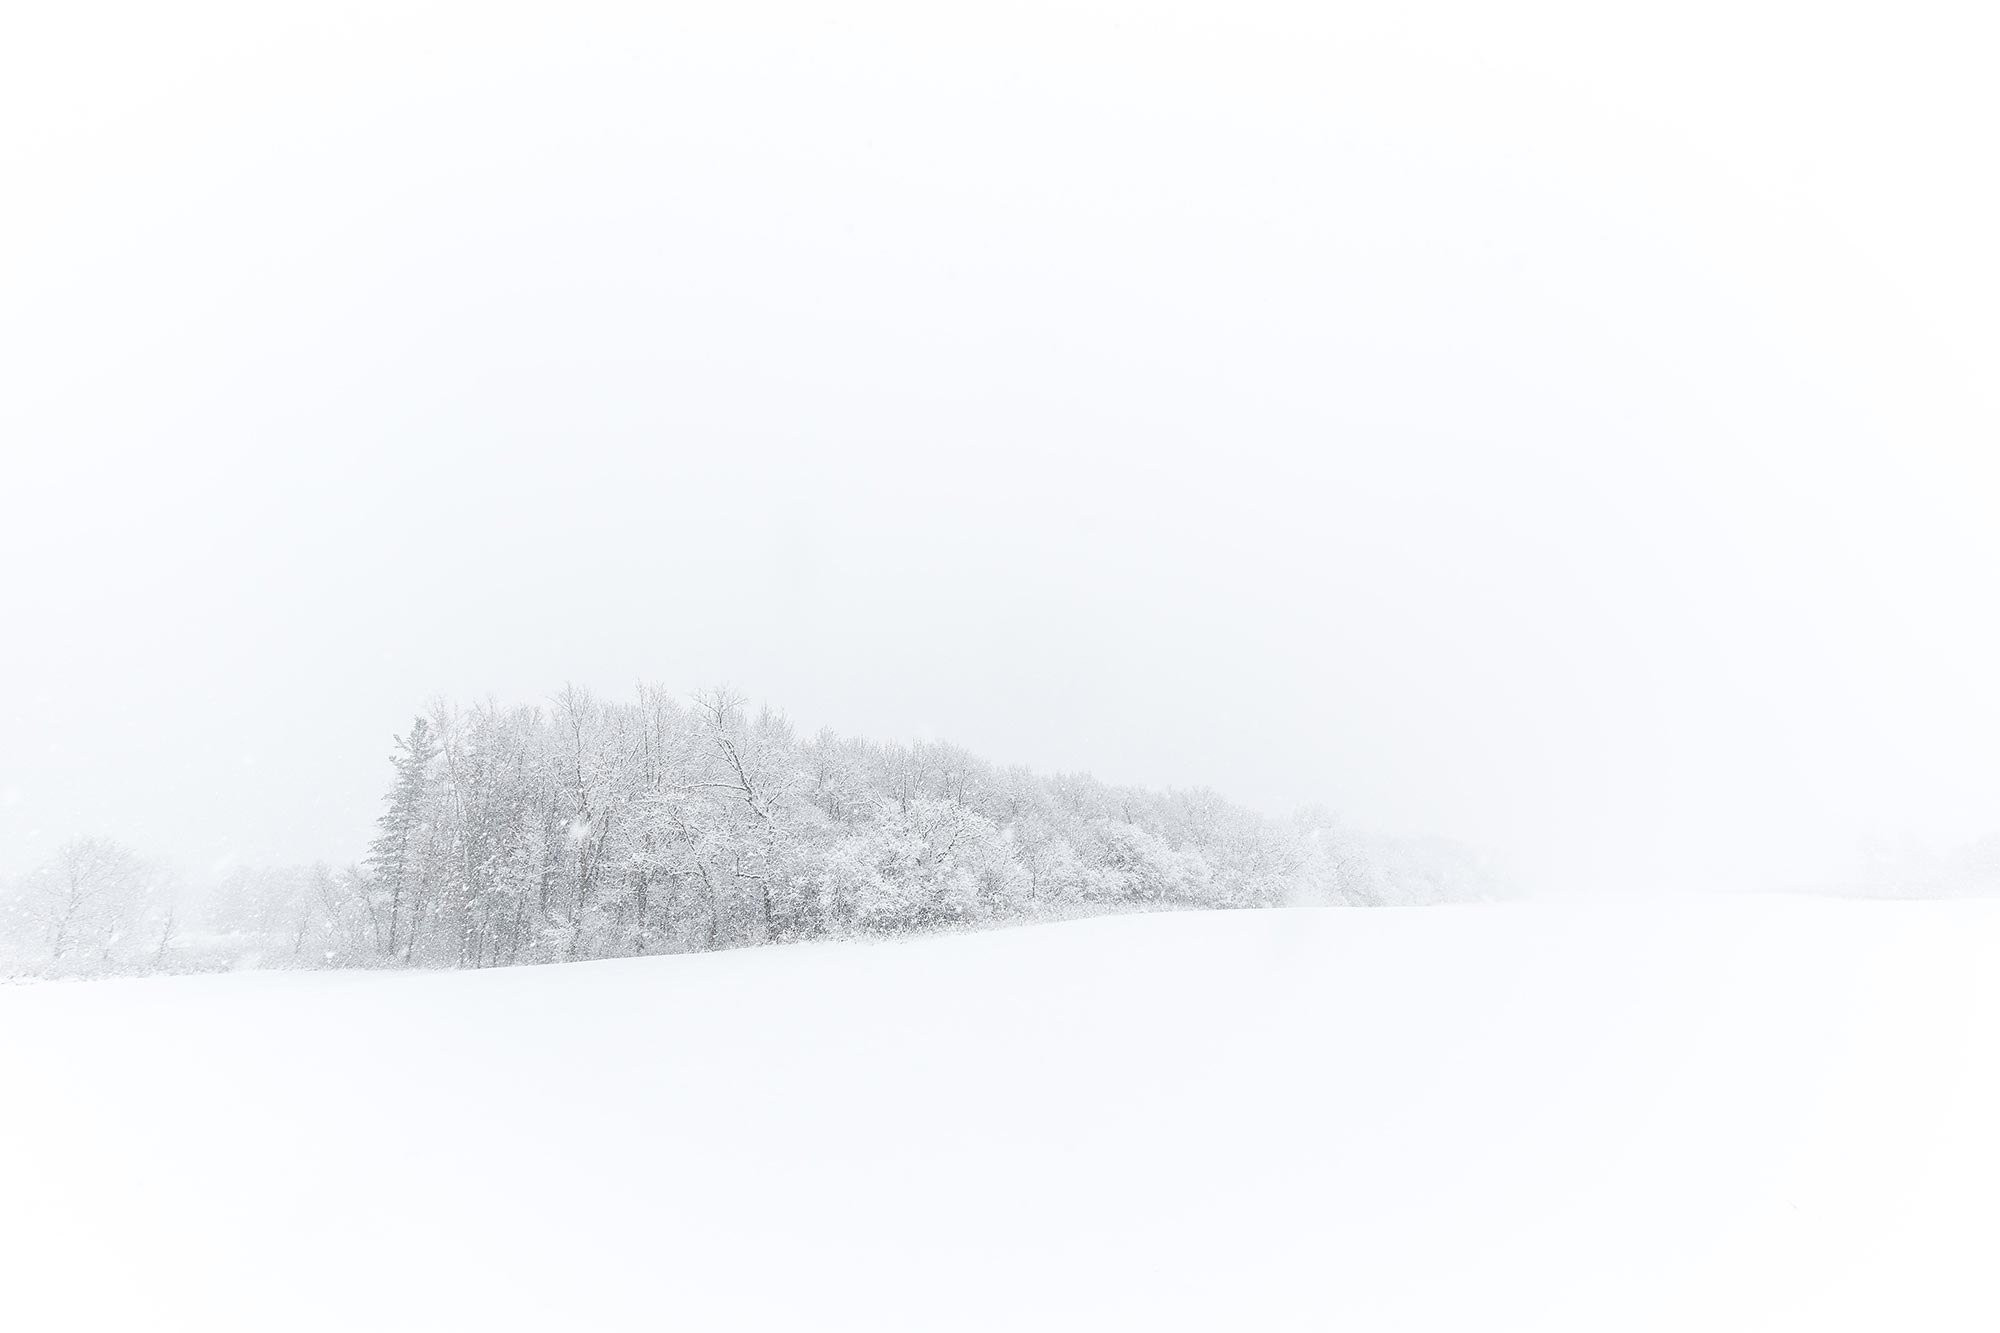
(1572, 432)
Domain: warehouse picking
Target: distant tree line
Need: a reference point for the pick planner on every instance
(1908, 868)
(593, 829)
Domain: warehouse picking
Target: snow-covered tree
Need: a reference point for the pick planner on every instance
(85, 899)
(592, 828)
(399, 857)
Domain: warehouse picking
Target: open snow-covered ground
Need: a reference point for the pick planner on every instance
(1705, 1113)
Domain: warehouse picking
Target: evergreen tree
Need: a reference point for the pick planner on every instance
(394, 858)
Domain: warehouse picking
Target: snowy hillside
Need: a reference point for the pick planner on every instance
(1755, 1114)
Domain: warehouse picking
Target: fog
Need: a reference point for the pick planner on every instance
(1576, 436)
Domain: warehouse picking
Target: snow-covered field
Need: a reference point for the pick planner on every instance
(1699, 1114)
